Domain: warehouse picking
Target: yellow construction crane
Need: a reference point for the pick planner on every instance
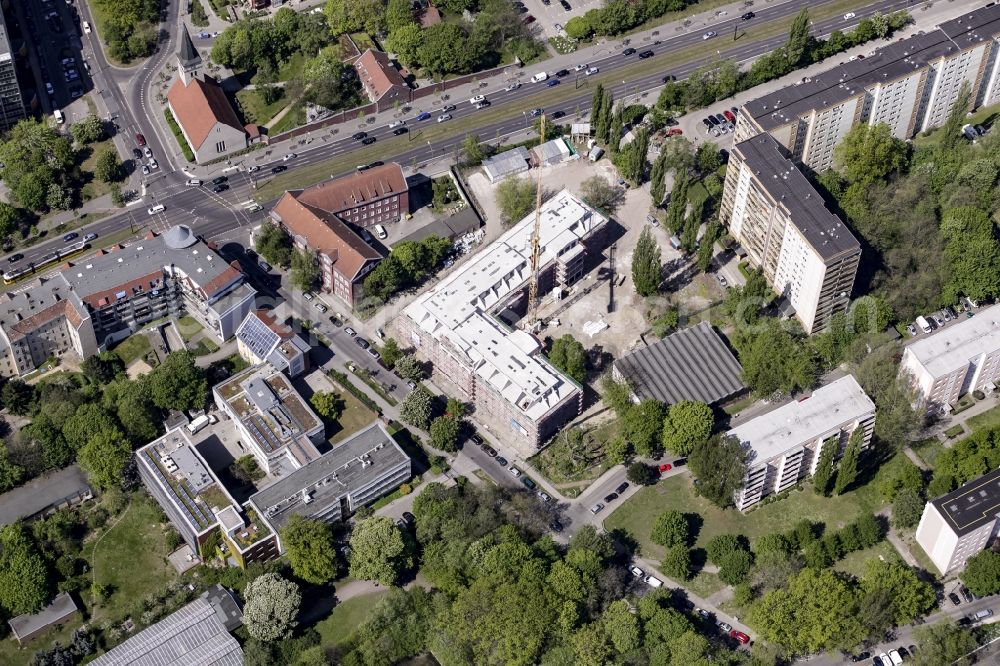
(536, 241)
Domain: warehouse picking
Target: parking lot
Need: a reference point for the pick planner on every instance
(52, 29)
(551, 16)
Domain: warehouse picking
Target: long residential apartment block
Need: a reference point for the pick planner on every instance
(197, 503)
(786, 443)
(963, 357)
(275, 423)
(12, 108)
(459, 325)
(110, 295)
(910, 85)
(806, 252)
(355, 472)
(956, 526)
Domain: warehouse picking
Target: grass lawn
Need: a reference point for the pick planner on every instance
(254, 108)
(550, 462)
(355, 417)
(188, 327)
(295, 117)
(130, 557)
(96, 188)
(954, 431)
(291, 68)
(133, 348)
(928, 450)
(175, 129)
(204, 347)
(986, 420)
(854, 563)
(705, 584)
(636, 516)
(339, 626)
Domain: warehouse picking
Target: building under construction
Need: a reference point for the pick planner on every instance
(465, 324)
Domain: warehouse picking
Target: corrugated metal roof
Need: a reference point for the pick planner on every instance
(691, 364)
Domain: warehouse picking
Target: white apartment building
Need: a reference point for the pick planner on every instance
(956, 526)
(909, 85)
(464, 324)
(962, 357)
(806, 253)
(786, 443)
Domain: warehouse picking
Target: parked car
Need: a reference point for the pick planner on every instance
(528, 482)
(964, 590)
(729, 116)
(637, 572)
(335, 321)
(597, 508)
(742, 638)
(622, 487)
(724, 626)
(489, 450)
(322, 308)
(350, 331)
(565, 5)
(361, 342)
(954, 599)
(861, 657)
(515, 471)
(556, 526)
(501, 461)
(544, 496)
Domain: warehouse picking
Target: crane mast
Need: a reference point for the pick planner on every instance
(536, 240)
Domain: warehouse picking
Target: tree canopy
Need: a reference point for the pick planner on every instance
(515, 198)
(272, 607)
(379, 551)
(309, 545)
(688, 423)
(569, 356)
(719, 465)
(647, 271)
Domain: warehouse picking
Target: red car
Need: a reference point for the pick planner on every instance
(666, 467)
(729, 116)
(675, 131)
(140, 139)
(740, 636)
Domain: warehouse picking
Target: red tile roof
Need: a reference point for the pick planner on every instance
(340, 194)
(199, 105)
(325, 233)
(377, 73)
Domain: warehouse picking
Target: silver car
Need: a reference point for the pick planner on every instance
(597, 508)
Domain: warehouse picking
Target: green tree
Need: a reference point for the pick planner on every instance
(847, 471)
(817, 611)
(88, 130)
(309, 546)
(621, 626)
(719, 465)
(515, 198)
(641, 474)
(973, 254)
(911, 596)
(569, 356)
(406, 43)
(798, 38)
(646, 267)
(730, 554)
(88, 420)
(708, 158)
(579, 27)
(596, 105)
(869, 153)
(687, 424)
(18, 396)
(378, 551)
(398, 14)
(776, 363)
(10, 473)
(416, 408)
(603, 131)
(982, 573)
(103, 367)
(678, 203)
(472, 149)
(677, 562)
(901, 475)
(644, 425)
(274, 245)
(631, 159)
(951, 131)
(305, 270)
(35, 158)
(907, 509)
(105, 456)
(666, 323)
(942, 643)
(178, 383)
(409, 368)
(272, 606)
(444, 433)
(327, 404)
(615, 130)
(598, 192)
(24, 580)
(824, 468)
(657, 180)
(390, 352)
(670, 529)
(107, 166)
(446, 49)
(10, 219)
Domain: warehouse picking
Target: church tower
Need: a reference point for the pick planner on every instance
(188, 60)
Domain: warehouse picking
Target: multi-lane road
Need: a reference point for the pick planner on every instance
(127, 94)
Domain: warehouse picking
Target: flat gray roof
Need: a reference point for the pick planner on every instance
(691, 364)
(973, 505)
(789, 187)
(56, 611)
(506, 163)
(41, 493)
(195, 635)
(350, 465)
(886, 64)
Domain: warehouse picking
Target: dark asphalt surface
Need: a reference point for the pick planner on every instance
(211, 214)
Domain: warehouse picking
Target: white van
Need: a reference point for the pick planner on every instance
(158, 208)
(193, 182)
(653, 581)
(983, 614)
(923, 324)
(58, 115)
(538, 78)
(381, 232)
